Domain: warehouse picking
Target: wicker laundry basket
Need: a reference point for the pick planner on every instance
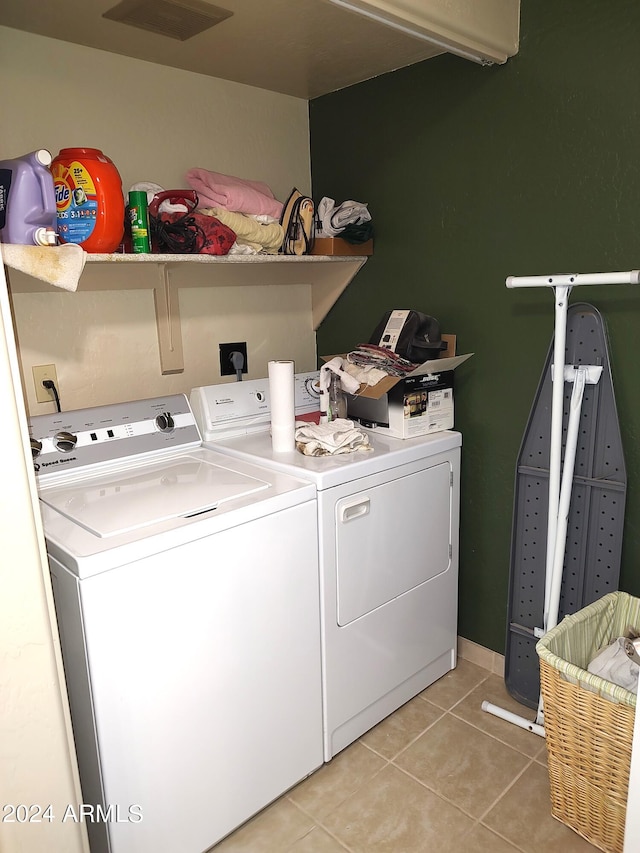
(588, 722)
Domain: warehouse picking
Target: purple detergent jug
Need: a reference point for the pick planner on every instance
(28, 200)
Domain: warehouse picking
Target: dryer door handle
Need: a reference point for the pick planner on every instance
(351, 511)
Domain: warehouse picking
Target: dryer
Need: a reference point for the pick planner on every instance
(388, 547)
(186, 591)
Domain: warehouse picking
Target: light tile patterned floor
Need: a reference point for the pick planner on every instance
(440, 775)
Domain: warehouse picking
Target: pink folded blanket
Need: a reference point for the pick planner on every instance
(236, 194)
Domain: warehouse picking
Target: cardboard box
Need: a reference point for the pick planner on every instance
(419, 403)
(338, 246)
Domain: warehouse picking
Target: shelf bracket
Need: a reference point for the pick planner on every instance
(327, 276)
(167, 305)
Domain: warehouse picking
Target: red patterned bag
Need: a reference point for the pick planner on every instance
(187, 233)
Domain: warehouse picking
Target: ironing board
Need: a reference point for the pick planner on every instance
(596, 514)
(579, 459)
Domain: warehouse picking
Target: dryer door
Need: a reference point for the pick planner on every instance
(391, 538)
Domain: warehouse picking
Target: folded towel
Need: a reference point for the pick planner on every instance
(235, 194)
(339, 436)
(57, 265)
(260, 236)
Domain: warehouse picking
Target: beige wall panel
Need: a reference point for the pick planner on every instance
(105, 348)
(153, 122)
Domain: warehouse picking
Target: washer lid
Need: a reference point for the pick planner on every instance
(118, 502)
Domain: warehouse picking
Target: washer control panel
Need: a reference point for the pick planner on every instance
(102, 434)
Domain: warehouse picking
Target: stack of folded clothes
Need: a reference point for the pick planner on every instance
(332, 439)
(248, 208)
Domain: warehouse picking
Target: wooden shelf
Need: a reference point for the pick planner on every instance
(327, 276)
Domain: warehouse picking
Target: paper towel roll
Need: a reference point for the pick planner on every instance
(283, 414)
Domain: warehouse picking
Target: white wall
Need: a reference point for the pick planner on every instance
(154, 123)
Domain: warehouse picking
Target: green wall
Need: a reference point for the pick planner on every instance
(473, 174)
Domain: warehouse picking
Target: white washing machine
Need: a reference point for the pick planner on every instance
(186, 591)
(388, 544)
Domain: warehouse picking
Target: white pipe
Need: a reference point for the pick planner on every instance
(561, 293)
(513, 718)
(555, 448)
(573, 279)
(575, 407)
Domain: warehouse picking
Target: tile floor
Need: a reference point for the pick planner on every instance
(439, 775)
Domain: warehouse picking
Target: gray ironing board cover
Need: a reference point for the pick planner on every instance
(596, 514)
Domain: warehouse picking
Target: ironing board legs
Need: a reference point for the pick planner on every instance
(553, 579)
(555, 453)
(555, 450)
(536, 728)
(581, 376)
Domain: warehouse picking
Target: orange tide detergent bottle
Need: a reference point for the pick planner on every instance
(89, 199)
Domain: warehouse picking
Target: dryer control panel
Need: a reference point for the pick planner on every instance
(244, 408)
(68, 441)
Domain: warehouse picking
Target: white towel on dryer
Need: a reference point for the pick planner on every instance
(339, 436)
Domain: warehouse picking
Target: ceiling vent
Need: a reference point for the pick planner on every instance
(177, 19)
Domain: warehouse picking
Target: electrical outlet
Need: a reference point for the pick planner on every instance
(226, 365)
(40, 373)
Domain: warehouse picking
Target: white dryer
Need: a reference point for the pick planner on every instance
(186, 592)
(388, 543)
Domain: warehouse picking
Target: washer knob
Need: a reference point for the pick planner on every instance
(165, 422)
(36, 447)
(65, 441)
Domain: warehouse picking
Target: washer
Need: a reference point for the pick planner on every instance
(388, 545)
(186, 590)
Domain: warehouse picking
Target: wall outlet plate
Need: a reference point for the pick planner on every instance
(40, 373)
(226, 365)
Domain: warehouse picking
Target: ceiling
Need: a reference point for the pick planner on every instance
(303, 48)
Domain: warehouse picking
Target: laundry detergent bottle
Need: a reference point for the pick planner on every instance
(89, 199)
(27, 200)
